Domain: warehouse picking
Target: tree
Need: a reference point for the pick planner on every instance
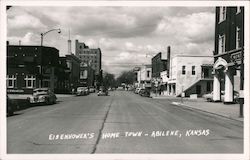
(127, 77)
(109, 80)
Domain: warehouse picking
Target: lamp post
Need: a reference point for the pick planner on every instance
(43, 34)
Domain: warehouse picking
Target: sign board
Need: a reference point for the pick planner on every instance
(236, 57)
(241, 94)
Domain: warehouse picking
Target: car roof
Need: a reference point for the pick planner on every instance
(39, 89)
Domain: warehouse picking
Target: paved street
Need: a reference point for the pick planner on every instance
(120, 123)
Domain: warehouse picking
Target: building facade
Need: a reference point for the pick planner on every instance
(144, 75)
(190, 75)
(73, 65)
(90, 56)
(30, 67)
(228, 66)
(87, 75)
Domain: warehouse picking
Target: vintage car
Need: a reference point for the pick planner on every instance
(81, 91)
(91, 90)
(42, 95)
(209, 96)
(102, 92)
(144, 93)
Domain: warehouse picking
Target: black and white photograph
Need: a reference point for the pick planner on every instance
(124, 80)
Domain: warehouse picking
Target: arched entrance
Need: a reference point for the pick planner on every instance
(223, 81)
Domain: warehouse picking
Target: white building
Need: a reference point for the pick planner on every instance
(189, 74)
(144, 75)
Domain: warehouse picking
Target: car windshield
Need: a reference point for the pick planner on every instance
(40, 92)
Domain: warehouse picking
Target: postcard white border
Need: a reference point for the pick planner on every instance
(3, 38)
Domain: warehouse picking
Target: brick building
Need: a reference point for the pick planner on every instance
(228, 52)
(30, 67)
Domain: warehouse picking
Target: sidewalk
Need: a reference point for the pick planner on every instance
(230, 111)
(24, 96)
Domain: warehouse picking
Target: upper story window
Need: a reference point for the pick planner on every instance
(193, 70)
(30, 81)
(148, 74)
(238, 10)
(237, 39)
(222, 14)
(183, 69)
(221, 45)
(11, 81)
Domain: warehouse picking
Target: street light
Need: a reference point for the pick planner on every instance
(43, 34)
(40, 70)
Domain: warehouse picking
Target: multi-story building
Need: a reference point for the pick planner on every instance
(228, 66)
(30, 67)
(190, 75)
(160, 63)
(86, 75)
(73, 65)
(90, 56)
(144, 76)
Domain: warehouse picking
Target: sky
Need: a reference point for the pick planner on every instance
(127, 36)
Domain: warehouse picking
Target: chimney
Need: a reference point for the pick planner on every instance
(69, 45)
(168, 52)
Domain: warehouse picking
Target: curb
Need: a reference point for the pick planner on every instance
(192, 108)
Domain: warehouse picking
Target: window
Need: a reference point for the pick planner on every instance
(221, 43)
(222, 14)
(238, 10)
(148, 74)
(183, 69)
(30, 81)
(193, 70)
(11, 81)
(237, 37)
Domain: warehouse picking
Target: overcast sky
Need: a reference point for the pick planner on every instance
(127, 36)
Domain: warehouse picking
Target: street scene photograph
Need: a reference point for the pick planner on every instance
(125, 79)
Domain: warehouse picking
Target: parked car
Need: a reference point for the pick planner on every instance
(43, 96)
(209, 96)
(137, 90)
(144, 93)
(91, 90)
(80, 91)
(102, 92)
(11, 106)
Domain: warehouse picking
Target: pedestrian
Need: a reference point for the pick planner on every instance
(73, 90)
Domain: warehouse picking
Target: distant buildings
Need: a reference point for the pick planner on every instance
(143, 75)
(228, 66)
(90, 56)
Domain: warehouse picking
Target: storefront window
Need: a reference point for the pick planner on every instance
(11, 81)
(30, 81)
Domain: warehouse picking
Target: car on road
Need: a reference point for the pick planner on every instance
(11, 106)
(102, 92)
(42, 96)
(209, 96)
(91, 90)
(137, 90)
(81, 91)
(144, 93)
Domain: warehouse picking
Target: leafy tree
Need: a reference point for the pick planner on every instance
(109, 80)
(127, 77)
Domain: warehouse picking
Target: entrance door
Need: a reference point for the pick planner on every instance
(198, 89)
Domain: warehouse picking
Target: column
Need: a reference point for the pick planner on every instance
(172, 89)
(216, 88)
(168, 89)
(229, 81)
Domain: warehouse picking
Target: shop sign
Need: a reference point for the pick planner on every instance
(15, 91)
(236, 57)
